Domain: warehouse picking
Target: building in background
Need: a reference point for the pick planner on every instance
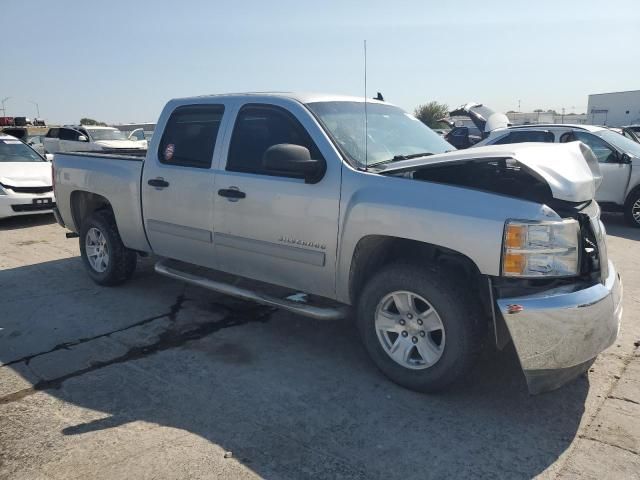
(531, 118)
(614, 109)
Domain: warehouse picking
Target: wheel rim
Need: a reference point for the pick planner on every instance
(97, 250)
(635, 211)
(410, 330)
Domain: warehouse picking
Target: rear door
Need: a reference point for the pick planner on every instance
(615, 175)
(178, 184)
(277, 229)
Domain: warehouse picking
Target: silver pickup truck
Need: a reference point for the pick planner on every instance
(305, 203)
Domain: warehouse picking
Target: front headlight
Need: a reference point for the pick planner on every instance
(541, 249)
(2, 191)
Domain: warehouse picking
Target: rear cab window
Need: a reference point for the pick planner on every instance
(190, 135)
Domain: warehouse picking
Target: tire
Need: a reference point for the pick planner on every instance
(631, 207)
(99, 233)
(450, 350)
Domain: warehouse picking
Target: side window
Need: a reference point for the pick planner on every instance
(539, 136)
(53, 133)
(259, 127)
(601, 149)
(69, 134)
(190, 136)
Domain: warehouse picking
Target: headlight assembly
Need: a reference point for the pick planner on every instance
(541, 249)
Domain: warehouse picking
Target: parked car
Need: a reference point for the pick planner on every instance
(21, 121)
(25, 180)
(138, 135)
(632, 132)
(264, 196)
(618, 156)
(484, 119)
(87, 138)
(39, 122)
(20, 133)
(6, 121)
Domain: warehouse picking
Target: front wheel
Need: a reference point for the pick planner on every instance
(632, 209)
(419, 328)
(107, 260)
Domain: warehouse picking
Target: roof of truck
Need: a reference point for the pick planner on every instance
(299, 96)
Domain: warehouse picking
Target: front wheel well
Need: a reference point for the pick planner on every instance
(374, 252)
(84, 204)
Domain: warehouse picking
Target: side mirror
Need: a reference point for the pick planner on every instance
(83, 138)
(625, 158)
(48, 157)
(293, 159)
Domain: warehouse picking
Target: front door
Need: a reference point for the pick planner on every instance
(178, 183)
(615, 175)
(277, 228)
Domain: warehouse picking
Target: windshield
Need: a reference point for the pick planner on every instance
(106, 134)
(619, 141)
(391, 132)
(16, 151)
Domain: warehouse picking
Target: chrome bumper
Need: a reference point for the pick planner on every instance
(558, 334)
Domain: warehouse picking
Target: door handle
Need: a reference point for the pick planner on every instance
(158, 182)
(231, 193)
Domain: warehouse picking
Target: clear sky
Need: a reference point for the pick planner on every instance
(120, 61)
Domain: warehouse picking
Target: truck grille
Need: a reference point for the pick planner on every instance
(32, 207)
(29, 189)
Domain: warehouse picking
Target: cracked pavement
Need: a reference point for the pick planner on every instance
(156, 379)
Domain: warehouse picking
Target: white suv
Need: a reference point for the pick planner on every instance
(87, 139)
(618, 158)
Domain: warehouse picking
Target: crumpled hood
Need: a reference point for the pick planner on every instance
(25, 174)
(118, 144)
(570, 169)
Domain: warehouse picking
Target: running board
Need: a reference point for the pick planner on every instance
(312, 311)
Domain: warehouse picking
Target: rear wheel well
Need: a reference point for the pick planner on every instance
(84, 204)
(374, 252)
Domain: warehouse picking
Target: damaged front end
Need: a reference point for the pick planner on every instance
(557, 297)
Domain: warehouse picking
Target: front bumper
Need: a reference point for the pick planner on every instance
(25, 204)
(558, 334)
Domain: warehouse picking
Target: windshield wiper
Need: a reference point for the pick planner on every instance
(402, 157)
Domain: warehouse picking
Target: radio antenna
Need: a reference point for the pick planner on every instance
(366, 119)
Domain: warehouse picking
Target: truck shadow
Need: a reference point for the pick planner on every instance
(290, 397)
(26, 221)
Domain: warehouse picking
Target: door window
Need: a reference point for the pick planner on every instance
(540, 136)
(259, 127)
(69, 134)
(53, 133)
(601, 149)
(190, 136)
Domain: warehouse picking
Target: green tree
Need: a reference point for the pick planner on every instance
(538, 110)
(91, 121)
(430, 113)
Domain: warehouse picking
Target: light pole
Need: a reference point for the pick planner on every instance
(4, 109)
(37, 107)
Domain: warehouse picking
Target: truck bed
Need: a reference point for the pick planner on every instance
(116, 177)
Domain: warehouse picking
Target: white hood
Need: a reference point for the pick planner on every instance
(25, 174)
(119, 144)
(570, 169)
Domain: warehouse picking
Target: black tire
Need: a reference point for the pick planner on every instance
(122, 261)
(458, 313)
(632, 199)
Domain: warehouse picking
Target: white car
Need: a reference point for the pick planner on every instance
(88, 139)
(25, 180)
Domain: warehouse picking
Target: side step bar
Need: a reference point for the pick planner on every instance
(319, 313)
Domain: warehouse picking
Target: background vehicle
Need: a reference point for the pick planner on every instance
(87, 138)
(265, 196)
(21, 121)
(39, 122)
(632, 132)
(6, 121)
(25, 180)
(484, 121)
(618, 156)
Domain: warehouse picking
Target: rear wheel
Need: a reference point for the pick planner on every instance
(632, 209)
(419, 329)
(107, 260)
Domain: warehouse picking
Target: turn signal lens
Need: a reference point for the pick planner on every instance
(514, 263)
(514, 235)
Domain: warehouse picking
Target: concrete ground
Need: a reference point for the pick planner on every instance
(156, 379)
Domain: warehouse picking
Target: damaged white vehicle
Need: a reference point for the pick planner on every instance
(295, 201)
